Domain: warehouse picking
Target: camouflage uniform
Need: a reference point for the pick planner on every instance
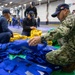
(66, 54)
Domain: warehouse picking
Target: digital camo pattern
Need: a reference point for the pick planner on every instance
(66, 54)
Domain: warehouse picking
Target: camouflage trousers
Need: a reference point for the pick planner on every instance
(63, 56)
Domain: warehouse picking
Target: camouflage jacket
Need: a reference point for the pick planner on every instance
(66, 30)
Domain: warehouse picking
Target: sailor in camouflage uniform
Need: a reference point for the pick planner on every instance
(66, 54)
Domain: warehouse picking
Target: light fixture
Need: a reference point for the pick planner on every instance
(25, 5)
(19, 5)
(10, 2)
(30, 2)
(2, 6)
(6, 4)
(15, 7)
(39, 0)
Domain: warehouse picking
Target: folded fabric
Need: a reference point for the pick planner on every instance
(32, 52)
(11, 56)
(20, 44)
(10, 68)
(14, 51)
(39, 56)
(20, 66)
(3, 47)
(44, 69)
(3, 53)
(3, 72)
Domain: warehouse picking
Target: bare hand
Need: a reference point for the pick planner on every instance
(34, 41)
(33, 27)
